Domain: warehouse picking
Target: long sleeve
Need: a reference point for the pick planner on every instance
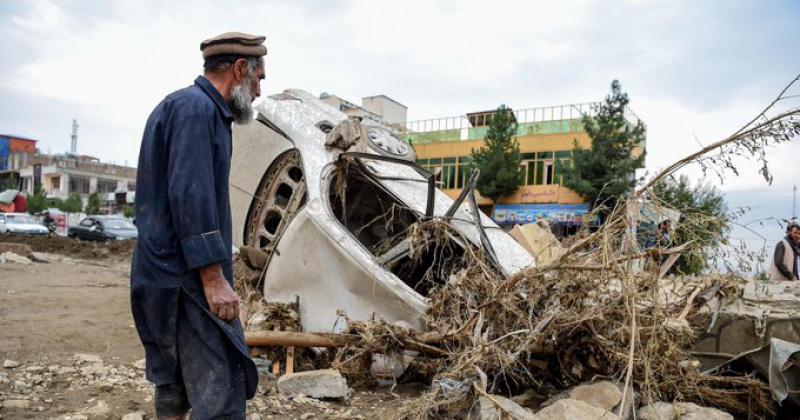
(780, 250)
(191, 193)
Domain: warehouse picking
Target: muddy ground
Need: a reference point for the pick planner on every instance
(67, 323)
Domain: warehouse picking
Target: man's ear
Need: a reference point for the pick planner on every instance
(240, 69)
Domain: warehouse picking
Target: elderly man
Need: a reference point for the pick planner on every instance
(784, 262)
(182, 297)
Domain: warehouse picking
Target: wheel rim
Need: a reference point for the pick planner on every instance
(281, 193)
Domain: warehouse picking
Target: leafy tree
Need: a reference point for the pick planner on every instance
(38, 201)
(605, 172)
(703, 219)
(499, 160)
(73, 204)
(129, 211)
(93, 204)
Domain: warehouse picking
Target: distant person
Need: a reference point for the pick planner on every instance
(182, 297)
(784, 262)
(662, 238)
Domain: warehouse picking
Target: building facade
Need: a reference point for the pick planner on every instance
(546, 137)
(14, 154)
(63, 175)
(379, 108)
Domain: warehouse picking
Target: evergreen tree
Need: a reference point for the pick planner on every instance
(499, 160)
(93, 204)
(703, 219)
(37, 202)
(73, 204)
(605, 173)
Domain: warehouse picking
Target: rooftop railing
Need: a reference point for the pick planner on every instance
(523, 116)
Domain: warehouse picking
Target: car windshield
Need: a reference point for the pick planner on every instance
(20, 218)
(118, 224)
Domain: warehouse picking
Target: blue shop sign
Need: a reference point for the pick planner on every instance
(571, 214)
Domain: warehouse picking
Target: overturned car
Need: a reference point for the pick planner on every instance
(346, 220)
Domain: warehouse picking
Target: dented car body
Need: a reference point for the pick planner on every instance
(335, 220)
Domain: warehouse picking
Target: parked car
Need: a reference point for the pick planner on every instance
(339, 209)
(103, 228)
(20, 223)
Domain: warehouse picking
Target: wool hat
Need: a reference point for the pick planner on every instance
(234, 43)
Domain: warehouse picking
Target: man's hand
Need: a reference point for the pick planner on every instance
(222, 300)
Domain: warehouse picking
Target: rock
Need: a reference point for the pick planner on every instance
(100, 410)
(3, 378)
(326, 383)
(17, 404)
(252, 416)
(88, 358)
(10, 257)
(10, 364)
(571, 409)
(605, 395)
(137, 415)
(140, 364)
(681, 411)
(500, 408)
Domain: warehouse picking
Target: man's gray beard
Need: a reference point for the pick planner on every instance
(240, 101)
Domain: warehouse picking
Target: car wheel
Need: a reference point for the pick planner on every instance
(281, 193)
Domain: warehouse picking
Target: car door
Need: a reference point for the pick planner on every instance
(84, 228)
(3, 227)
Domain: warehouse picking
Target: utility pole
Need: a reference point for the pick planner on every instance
(73, 147)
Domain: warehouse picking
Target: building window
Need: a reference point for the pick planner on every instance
(545, 168)
(131, 186)
(78, 185)
(55, 183)
(106, 186)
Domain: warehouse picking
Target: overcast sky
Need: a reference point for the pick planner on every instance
(695, 71)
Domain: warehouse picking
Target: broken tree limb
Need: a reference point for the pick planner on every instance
(301, 339)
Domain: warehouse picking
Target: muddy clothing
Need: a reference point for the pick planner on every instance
(184, 221)
(784, 262)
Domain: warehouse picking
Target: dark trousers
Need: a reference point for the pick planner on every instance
(212, 372)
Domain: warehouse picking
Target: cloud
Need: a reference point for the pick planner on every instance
(693, 70)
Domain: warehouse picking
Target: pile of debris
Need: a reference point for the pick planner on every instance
(435, 292)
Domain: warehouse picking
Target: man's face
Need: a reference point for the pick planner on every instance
(246, 90)
(255, 82)
(794, 233)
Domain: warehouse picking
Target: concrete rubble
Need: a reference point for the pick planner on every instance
(327, 383)
(496, 407)
(680, 411)
(571, 409)
(10, 257)
(605, 395)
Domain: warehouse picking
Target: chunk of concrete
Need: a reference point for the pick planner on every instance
(10, 364)
(16, 404)
(137, 415)
(498, 408)
(605, 395)
(327, 383)
(681, 411)
(571, 409)
(13, 258)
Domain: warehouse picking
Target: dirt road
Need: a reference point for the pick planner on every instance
(68, 326)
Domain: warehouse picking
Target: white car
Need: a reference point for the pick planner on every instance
(341, 222)
(20, 223)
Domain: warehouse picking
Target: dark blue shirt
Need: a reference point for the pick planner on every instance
(183, 216)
